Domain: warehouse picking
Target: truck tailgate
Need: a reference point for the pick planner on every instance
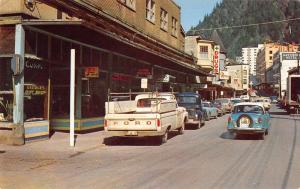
(127, 122)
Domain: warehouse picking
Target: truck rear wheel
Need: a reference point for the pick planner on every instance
(164, 138)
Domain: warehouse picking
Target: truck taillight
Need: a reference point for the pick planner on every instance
(105, 123)
(158, 123)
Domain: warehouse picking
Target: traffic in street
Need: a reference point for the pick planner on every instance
(209, 157)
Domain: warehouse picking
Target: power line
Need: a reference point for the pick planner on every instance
(246, 25)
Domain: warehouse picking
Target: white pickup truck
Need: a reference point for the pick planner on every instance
(150, 114)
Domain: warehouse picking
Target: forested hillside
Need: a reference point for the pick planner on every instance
(244, 12)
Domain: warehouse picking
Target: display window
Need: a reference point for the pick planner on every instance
(6, 91)
(35, 90)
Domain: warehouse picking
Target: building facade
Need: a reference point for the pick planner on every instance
(116, 42)
(239, 77)
(265, 58)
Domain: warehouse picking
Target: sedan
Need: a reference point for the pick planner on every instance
(210, 111)
(249, 118)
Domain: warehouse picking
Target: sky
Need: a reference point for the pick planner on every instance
(192, 11)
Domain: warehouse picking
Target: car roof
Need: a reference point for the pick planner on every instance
(250, 103)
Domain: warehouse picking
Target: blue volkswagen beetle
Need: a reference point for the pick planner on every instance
(249, 118)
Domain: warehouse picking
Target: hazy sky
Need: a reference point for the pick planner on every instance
(192, 11)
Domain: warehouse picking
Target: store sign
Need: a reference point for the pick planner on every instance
(35, 65)
(34, 90)
(144, 72)
(289, 56)
(118, 77)
(91, 72)
(224, 75)
(144, 83)
(216, 64)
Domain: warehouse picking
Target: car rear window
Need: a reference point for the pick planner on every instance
(248, 109)
(186, 100)
(147, 102)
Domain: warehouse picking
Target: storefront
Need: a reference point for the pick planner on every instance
(101, 65)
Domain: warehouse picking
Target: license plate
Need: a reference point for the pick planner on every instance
(131, 133)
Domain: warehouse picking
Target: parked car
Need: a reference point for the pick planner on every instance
(274, 99)
(226, 102)
(150, 114)
(192, 103)
(220, 107)
(236, 100)
(265, 101)
(249, 118)
(210, 111)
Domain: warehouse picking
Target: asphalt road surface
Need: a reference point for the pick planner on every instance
(205, 158)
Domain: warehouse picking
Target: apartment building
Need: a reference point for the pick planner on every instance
(239, 77)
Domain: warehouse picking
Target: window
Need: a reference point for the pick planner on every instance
(270, 52)
(128, 3)
(174, 27)
(150, 11)
(271, 57)
(203, 52)
(163, 20)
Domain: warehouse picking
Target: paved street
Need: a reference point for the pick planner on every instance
(205, 158)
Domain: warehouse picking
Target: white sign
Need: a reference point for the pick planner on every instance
(144, 83)
(216, 59)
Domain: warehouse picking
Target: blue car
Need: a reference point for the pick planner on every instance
(193, 104)
(249, 118)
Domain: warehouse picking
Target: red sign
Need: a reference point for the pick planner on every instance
(144, 72)
(216, 63)
(91, 72)
(118, 77)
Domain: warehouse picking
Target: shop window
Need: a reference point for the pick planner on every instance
(96, 58)
(30, 44)
(150, 10)
(6, 91)
(56, 53)
(104, 61)
(42, 46)
(35, 90)
(94, 96)
(86, 56)
(66, 51)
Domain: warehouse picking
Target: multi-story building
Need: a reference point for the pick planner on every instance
(202, 50)
(277, 74)
(116, 43)
(265, 55)
(239, 77)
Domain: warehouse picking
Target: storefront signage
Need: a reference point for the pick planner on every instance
(34, 65)
(290, 56)
(224, 75)
(118, 77)
(144, 83)
(144, 72)
(216, 63)
(91, 72)
(34, 90)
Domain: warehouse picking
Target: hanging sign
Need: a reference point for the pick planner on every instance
(91, 72)
(144, 83)
(216, 63)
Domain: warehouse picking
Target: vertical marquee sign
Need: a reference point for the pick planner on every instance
(216, 59)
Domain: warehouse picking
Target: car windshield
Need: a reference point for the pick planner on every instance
(186, 100)
(248, 109)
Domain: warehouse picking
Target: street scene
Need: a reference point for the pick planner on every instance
(150, 94)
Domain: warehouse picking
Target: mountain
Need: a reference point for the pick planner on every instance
(236, 13)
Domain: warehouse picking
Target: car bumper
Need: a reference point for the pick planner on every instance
(247, 130)
(193, 121)
(136, 133)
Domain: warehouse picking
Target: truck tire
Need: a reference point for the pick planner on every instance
(181, 129)
(164, 138)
